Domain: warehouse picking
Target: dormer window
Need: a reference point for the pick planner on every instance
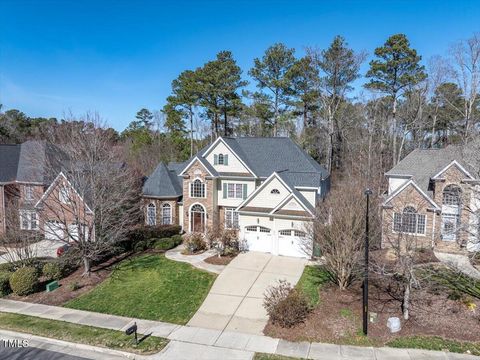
(220, 159)
(64, 195)
(275, 192)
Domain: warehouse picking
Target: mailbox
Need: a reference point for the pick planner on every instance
(132, 330)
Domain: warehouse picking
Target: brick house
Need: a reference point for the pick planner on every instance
(35, 195)
(266, 188)
(433, 197)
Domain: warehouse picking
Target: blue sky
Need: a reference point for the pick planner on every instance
(116, 57)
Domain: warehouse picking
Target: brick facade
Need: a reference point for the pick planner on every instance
(173, 202)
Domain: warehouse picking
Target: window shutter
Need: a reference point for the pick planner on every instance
(225, 159)
(215, 159)
(244, 191)
(224, 190)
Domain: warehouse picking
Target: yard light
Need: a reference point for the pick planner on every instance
(368, 192)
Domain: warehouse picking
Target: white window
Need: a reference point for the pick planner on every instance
(275, 191)
(235, 191)
(28, 220)
(64, 195)
(28, 191)
(285, 232)
(197, 189)
(263, 229)
(451, 195)
(409, 222)
(166, 214)
(251, 228)
(220, 159)
(231, 219)
(151, 215)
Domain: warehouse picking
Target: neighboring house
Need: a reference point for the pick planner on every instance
(433, 197)
(35, 195)
(266, 188)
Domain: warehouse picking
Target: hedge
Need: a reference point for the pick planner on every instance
(24, 281)
(168, 243)
(5, 283)
(148, 234)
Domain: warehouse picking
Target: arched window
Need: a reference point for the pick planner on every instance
(151, 215)
(197, 208)
(451, 195)
(220, 159)
(409, 221)
(275, 191)
(166, 214)
(197, 189)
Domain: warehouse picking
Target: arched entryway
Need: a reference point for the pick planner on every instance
(197, 218)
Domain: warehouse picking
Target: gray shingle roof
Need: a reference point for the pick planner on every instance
(32, 162)
(164, 181)
(262, 155)
(423, 164)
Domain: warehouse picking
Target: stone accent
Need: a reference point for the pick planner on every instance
(197, 170)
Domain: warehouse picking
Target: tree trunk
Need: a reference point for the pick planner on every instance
(191, 133)
(432, 142)
(275, 120)
(225, 122)
(330, 141)
(394, 130)
(406, 301)
(86, 266)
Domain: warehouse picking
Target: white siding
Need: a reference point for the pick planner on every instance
(310, 195)
(233, 202)
(293, 204)
(266, 199)
(180, 215)
(234, 165)
(395, 183)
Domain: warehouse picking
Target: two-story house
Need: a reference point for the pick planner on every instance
(267, 188)
(433, 195)
(35, 195)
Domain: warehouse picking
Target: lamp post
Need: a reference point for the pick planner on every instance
(368, 192)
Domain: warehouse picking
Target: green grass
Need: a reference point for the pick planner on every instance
(435, 343)
(262, 356)
(80, 333)
(149, 287)
(312, 279)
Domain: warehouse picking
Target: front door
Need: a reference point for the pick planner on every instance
(197, 216)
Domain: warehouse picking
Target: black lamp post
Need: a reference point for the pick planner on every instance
(368, 192)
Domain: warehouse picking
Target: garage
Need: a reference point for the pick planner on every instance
(259, 238)
(54, 230)
(292, 243)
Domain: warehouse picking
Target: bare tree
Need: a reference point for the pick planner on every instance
(94, 201)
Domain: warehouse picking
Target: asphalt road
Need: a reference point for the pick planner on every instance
(32, 353)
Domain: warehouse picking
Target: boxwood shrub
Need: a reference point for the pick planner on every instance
(52, 271)
(24, 281)
(148, 234)
(5, 283)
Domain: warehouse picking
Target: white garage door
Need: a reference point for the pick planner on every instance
(292, 243)
(54, 230)
(258, 238)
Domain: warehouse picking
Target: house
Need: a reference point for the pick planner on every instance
(433, 197)
(35, 195)
(266, 188)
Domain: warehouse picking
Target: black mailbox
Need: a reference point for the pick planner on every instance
(132, 329)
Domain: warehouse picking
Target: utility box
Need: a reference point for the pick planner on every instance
(52, 286)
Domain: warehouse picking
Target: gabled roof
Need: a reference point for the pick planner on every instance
(164, 181)
(404, 186)
(293, 193)
(423, 164)
(33, 161)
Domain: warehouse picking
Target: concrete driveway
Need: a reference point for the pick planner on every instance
(235, 301)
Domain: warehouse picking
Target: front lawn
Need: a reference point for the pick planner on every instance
(312, 279)
(149, 287)
(83, 334)
(436, 343)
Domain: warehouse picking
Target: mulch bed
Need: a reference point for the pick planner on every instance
(222, 260)
(64, 293)
(338, 317)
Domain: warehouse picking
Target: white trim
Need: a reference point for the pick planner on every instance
(399, 176)
(454, 162)
(52, 186)
(190, 217)
(403, 187)
(232, 210)
(26, 213)
(306, 188)
(204, 189)
(212, 146)
(191, 163)
(170, 222)
(408, 233)
(150, 206)
(284, 201)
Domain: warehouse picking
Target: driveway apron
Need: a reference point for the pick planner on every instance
(235, 302)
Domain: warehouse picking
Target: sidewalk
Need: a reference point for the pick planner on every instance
(196, 260)
(198, 343)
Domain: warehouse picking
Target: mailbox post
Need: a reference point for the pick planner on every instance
(133, 330)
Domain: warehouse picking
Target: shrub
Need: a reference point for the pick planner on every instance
(146, 233)
(74, 286)
(24, 281)
(285, 305)
(195, 242)
(140, 246)
(225, 241)
(177, 239)
(164, 244)
(52, 271)
(5, 283)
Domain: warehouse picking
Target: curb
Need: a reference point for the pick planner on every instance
(72, 345)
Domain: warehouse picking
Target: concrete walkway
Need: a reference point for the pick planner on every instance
(459, 262)
(198, 343)
(235, 301)
(195, 260)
